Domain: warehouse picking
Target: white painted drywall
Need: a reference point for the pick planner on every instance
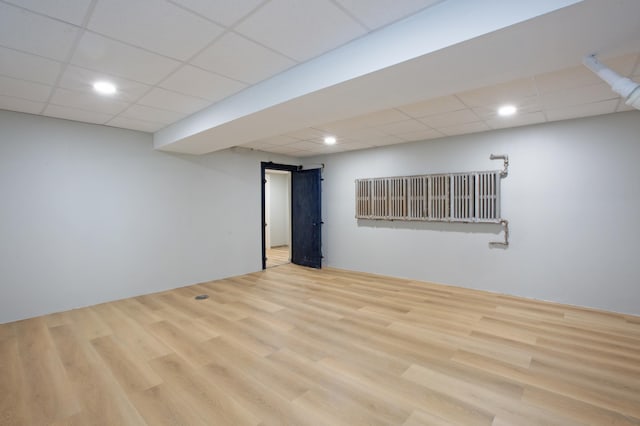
(572, 198)
(279, 209)
(92, 213)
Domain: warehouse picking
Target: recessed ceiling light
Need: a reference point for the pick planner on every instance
(507, 110)
(104, 87)
(330, 140)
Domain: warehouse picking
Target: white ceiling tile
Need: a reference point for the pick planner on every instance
(376, 13)
(520, 119)
(422, 135)
(32, 33)
(357, 133)
(24, 89)
(307, 134)
(226, 13)
(20, 105)
(172, 101)
(351, 145)
(155, 25)
(235, 56)
(133, 124)
(276, 140)
(375, 119)
(578, 95)
(624, 64)
(382, 140)
(28, 67)
(145, 113)
(68, 113)
(304, 146)
(401, 127)
(450, 118)
(433, 106)
(88, 101)
(510, 92)
(301, 29)
(256, 145)
(284, 149)
(81, 80)
(586, 110)
(565, 79)
(524, 106)
(112, 57)
(463, 129)
(196, 82)
(72, 11)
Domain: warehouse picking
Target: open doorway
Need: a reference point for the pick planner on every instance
(304, 236)
(278, 217)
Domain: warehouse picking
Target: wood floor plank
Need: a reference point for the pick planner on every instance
(259, 368)
(49, 392)
(186, 344)
(164, 405)
(88, 323)
(271, 408)
(130, 332)
(300, 346)
(316, 375)
(102, 400)
(206, 399)
(132, 372)
(13, 392)
(402, 391)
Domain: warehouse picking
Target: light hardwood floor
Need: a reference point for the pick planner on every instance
(277, 256)
(292, 345)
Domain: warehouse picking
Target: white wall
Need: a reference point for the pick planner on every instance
(279, 209)
(572, 198)
(92, 213)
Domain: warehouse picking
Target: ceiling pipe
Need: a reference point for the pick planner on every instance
(625, 87)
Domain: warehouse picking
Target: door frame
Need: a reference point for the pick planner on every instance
(264, 166)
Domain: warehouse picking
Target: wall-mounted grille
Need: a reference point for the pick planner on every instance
(452, 197)
(455, 197)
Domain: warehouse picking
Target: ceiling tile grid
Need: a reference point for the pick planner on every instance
(242, 59)
(157, 26)
(33, 33)
(200, 83)
(172, 58)
(312, 27)
(165, 56)
(70, 11)
(377, 13)
(562, 95)
(22, 89)
(28, 67)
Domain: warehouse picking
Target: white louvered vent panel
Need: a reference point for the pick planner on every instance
(379, 197)
(462, 197)
(488, 196)
(397, 198)
(363, 197)
(418, 201)
(439, 196)
(455, 197)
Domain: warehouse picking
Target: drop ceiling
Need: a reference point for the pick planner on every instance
(279, 75)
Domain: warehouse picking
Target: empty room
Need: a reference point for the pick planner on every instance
(319, 212)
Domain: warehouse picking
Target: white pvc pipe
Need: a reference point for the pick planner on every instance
(625, 87)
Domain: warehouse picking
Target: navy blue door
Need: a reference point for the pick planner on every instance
(306, 218)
